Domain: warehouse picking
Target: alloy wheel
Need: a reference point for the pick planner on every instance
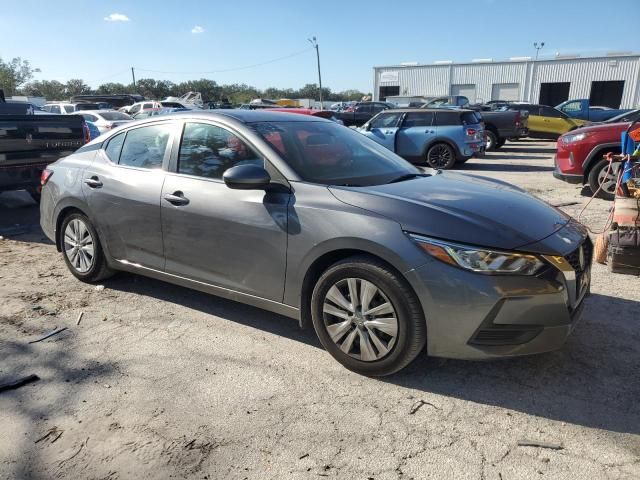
(439, 156)
(78, 245)
(360, 319)
(608, 181)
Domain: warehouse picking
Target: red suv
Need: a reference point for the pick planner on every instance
(580, 156)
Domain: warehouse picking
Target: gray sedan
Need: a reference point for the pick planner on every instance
(303, 217)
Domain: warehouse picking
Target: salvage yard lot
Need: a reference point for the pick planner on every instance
(159, 381)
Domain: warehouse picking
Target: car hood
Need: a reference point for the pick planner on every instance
(464, 208)
(602, 127)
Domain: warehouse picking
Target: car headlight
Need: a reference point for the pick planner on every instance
(574, 137)
(480, 260)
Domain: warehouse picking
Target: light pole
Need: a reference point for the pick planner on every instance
(314, 42)
(538, 47)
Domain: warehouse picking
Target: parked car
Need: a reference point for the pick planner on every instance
(583, 110)
(630, 116)
(29, 141)
(158, 111)
(114, 101)
(501, 125)
(59, 108)
(438, 137)
(360, 113)
(141, 106)
(547, 122)
(94, 131)
(105, 120)
(300, 216)
(580, 157)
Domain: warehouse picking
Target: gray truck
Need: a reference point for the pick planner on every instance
(28, 143)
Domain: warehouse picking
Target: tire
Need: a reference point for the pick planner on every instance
(77, 235)
(386, 353)
(597, 175)
(500, 143)
(492, 140)
(441, 156)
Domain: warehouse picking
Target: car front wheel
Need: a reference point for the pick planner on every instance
(367, 317)
(603, 176)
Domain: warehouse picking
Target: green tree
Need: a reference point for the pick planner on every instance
(49, 89)
(76, 86)
(14, 74)
(112, 88)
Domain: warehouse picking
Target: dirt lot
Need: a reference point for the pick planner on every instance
(159, 381)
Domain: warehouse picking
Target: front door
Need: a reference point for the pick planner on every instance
(123, 186)
(383, 129)
(235, 239)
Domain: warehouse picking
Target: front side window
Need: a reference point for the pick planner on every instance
(551, 112)
(418, 119)
(145, 147)
(330, 154)
(135, 109)
(55, 109)
(208, 151)
(386, 120)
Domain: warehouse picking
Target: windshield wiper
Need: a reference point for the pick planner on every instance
(407, 176)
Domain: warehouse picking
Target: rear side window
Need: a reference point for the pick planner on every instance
(69, 108)
(114, 146)
(448, 118)
(418, 119)
(55, 109)
(470, 118)
(386, 120)
(363, 108)
(145, 147)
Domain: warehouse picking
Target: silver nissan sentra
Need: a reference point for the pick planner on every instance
(303, 217)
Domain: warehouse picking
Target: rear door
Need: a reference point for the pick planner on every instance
(123, 186)
(553, 121)
(418, 130)
(383, 129)
(234, 239)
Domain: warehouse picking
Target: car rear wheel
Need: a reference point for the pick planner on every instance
(81, 249)
(601, 175)
(441, 156)
(367, 317)
(500, 143)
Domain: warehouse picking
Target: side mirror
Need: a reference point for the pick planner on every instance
(246, 177)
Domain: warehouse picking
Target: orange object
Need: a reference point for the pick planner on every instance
(635, 135)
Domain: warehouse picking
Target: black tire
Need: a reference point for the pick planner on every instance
(441, 156)
(595, 177)
(500, 143)
(492, 140)
(411, 326)
(98, 270)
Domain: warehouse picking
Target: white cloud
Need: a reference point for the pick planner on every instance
(197, 29)
(117, 17)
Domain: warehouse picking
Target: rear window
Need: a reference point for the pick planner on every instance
(111, 116)
(418, 119)
(448, 118)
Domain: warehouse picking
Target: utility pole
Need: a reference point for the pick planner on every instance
(314, 42)
(133, 75)
(538, 47)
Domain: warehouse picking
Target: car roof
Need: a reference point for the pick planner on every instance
(98, 112)
(423, 110)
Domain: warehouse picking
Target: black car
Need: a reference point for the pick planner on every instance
(362, 112)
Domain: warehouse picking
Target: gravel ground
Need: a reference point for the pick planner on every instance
(158, 381)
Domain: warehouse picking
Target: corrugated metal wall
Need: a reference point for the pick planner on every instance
(428, 80)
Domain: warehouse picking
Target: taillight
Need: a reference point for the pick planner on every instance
(45, 176)
(471, 132)
(87, 134)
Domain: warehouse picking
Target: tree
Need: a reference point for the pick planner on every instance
(112, 88)
(76, 86)
(15, 74)
(49, 89)
(151, 88)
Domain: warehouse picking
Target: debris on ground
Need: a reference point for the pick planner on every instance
(12, 385)
(79, 318)
(419, 404)
(50, 334)
(540, 444)
(99, 288)
(54, 433)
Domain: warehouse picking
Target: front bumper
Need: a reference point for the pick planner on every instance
(566, 177)
(478, 317)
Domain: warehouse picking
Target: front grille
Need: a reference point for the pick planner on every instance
(574, 257)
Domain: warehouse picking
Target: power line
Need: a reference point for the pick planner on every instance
(245, 67)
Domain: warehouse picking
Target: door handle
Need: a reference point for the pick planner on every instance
(93, 182)
(176, 198)
(388, 132)
(429, 131)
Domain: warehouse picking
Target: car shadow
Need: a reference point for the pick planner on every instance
(501, 156)
(592, 381)
(20, 218)
(481, 166)
(528, 149)
(212, 305)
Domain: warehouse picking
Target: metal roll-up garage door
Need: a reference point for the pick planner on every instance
(468, 90)
(505, 91)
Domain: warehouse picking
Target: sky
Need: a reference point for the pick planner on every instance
(100, 40)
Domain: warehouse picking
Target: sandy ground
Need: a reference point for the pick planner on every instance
(159, 381)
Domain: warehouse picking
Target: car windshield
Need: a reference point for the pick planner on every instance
(330, 154)
(114, 116)
(625, 117)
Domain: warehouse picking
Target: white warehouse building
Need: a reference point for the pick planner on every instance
(612, 80)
